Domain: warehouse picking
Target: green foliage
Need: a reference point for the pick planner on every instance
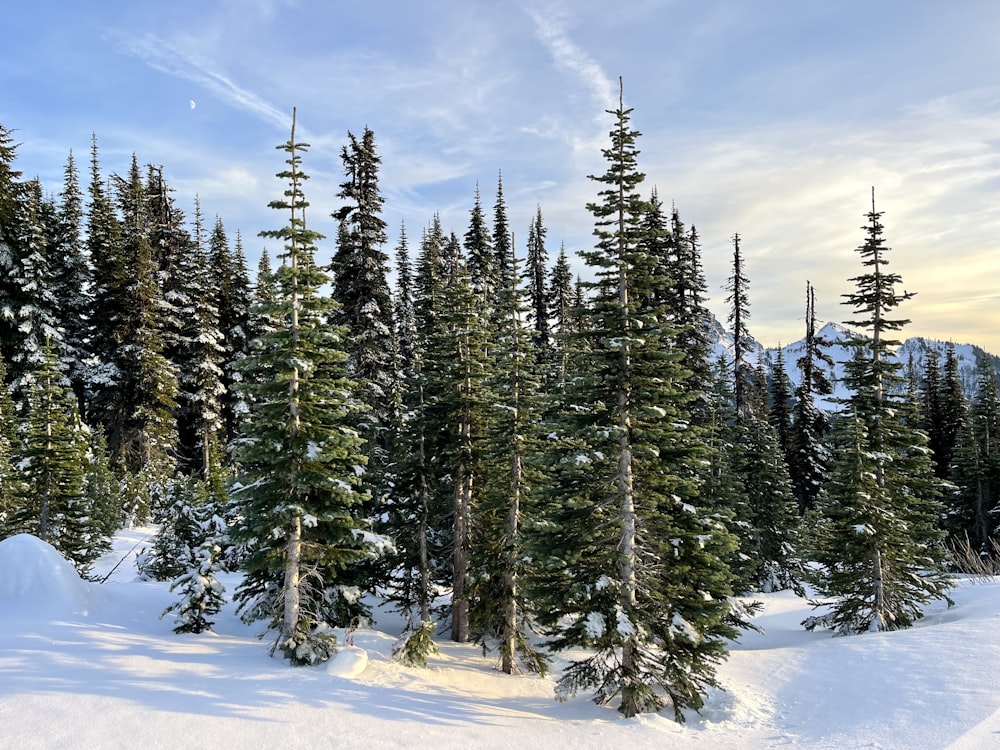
(879, 540)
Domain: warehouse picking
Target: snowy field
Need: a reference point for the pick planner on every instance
(91, 666)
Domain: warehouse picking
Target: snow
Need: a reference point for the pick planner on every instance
(88, 665)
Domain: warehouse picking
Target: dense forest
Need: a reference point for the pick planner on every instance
(507, 452)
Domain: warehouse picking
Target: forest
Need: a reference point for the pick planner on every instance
(507, 452)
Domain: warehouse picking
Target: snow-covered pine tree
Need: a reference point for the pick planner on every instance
(197, 522)
(51, 502)
(880, 544)
(417, 511)
(12, 203)
(103, 381)
(144, 434)
(71, 281)
(301, 460)
(361, 287)
(627, 564)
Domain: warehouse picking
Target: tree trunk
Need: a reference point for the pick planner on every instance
(293, 560)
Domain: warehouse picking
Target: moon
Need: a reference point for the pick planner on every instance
(193, 105)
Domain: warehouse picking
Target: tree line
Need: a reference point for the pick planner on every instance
(532, 460)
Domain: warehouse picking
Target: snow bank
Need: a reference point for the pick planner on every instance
(35, 578)
(349, 662)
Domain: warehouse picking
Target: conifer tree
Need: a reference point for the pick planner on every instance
(739, 316)
(499, 609)
(360, 286)
(628, 565)
(880, 547)
(423, 498)
(197, 521)
(144, 432)
(301, 461)
(51, 465)
(12, 200)
(8, 443)
(975, 465)
(107, 263)
(71, 280)
(780, 397)
(809, 459)
(536, 274)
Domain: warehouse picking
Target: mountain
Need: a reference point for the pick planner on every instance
(915, 347)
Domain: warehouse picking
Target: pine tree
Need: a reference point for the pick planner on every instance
(107, 262)
(739, 316)
(809, 459)
(71, 281)
(975, 465)
(51, 464)
(361, 288)
(197, 521)
(499, 610)
(561, 312)
(781, 404)
(880, 547)
(12, 201)
(954, 407)
(145, 428)
(536, 273)
(301, 461)
(628, 565)
(8, 443)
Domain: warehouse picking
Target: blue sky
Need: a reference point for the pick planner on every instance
(771, 118)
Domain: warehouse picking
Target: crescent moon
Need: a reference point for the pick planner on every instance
(193, 105)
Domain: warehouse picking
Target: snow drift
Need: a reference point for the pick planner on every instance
(35, 578)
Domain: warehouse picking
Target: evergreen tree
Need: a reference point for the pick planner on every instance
(880, 547)
(780, 412)
(12, 200)
(953, 408)
(481, 260)
(144, 430)
(499, 609)
(628, 565)
(536, 274)
(809, 458)
(561, 312)
(51, 465)
(71, 282)
(301, 461)
(739, 316)
(103, 384)
(975, 465)
(360, 286)
(196, 519)
(8, 443)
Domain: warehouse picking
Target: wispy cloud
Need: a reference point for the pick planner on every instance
(551, 27)
(167, 58)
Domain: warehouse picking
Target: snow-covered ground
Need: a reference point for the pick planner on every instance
(92, 666)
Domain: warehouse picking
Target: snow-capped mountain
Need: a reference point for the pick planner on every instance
(837, 336)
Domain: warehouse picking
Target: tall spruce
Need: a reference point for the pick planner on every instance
(628, 565)
(739, 317)
(880, 546)
(301, 461)
(809, 459)
(360, 286)
(12, 201)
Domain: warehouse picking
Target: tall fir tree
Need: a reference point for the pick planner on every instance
(739, 317)
(301, 461)
(361, 288)
(809, 458)
(536, 274)
(12, 201)
(880, 545)
(51, 465)
(627, 563)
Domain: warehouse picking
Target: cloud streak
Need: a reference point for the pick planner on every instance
(164, 57)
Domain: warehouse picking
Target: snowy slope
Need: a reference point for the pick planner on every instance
(86, 665)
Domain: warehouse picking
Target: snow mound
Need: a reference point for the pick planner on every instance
(349, 662)
(35, 577)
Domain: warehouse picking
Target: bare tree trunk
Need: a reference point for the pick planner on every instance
(293, 561)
